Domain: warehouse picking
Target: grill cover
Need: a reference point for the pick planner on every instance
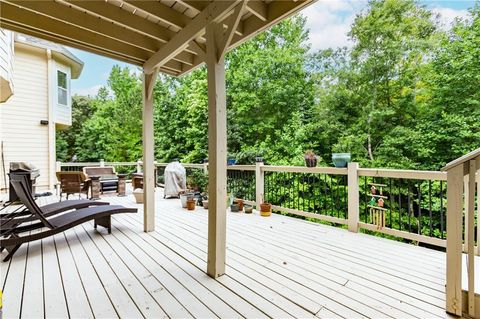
(16, 167)
(175, 179)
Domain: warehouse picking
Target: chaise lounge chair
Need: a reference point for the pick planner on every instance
(101, 215)
(10, 221)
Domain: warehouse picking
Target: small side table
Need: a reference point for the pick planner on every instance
(122, 185)
(95, 187)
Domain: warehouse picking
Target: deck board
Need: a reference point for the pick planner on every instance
(277, 267)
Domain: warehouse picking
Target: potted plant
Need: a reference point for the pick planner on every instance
(138, 194)
(265, 209)
(248, 209)
(191, 204)
(310, 158)
(234, 208)
(205, 200)
(342, 158)
(239, 202)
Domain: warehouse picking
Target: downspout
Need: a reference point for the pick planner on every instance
(51, 123)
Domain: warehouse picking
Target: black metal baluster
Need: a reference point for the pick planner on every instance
(399, 207)
(365, 189)
(430, 206)
(391, 203)
(420, 207)
(408, 211)
(441, 211)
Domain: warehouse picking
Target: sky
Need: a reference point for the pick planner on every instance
(328, 21)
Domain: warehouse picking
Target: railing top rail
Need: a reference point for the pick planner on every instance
(470, 156)
(303, 169)
(76, 164)
(241, 167)
(404, 174)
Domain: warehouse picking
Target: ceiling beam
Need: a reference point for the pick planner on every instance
(234, 19)
(258, 8)
(88, 22)
(69, 42)
(162, 12)
(214, 12)
(19, 16)
(125, 18)
(277, 11)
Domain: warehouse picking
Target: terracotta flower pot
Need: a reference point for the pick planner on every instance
(205, 204)
(265, 209)
(191, 204)
(239, 202)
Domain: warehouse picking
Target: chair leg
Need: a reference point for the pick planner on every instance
(11, 251)
(105, 222)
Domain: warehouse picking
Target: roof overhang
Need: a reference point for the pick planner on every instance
(166, 35)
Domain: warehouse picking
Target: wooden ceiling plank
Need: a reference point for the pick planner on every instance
(54, 27)
(128, 20)
(215, 12)
(196, 5)
(258, 8)
(69, 42)
(161, 12)
(88, 22)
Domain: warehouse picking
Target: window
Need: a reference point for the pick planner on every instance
(62, 94)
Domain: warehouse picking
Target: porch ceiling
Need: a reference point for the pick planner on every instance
(168, 35)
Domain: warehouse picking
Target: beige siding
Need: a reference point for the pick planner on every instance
(6, 64)
(25, 139)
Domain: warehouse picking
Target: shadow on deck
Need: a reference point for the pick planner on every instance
(277, 267)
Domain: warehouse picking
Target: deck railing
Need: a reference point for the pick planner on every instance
(413, 208)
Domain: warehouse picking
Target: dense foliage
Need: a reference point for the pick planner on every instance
(405, 95)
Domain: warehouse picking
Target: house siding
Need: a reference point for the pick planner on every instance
(24, 138)
(6, 65)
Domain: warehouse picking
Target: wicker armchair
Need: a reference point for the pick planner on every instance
(72, 183)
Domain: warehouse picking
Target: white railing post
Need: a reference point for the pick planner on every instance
(139, 166)
(470, 234)
(102, 163)
(454, 239)
(205, 167)
(259, 191)
(58, 166)
(353, 197)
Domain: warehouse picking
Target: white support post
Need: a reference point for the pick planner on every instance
(470, 235)
(58, 166)
(148, 153)
(454, 239)
(217, 154)
(259, 184)
(353, 197)
(102, 163)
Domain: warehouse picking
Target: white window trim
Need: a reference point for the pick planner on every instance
(66, 70)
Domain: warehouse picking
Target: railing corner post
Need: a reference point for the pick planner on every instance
(353, 197)
(58, 166)
(102, 163)
(259, 185)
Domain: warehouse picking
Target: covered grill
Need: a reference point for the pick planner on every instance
(175, 179)
(30, 173)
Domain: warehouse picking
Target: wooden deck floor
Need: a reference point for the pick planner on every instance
(277, 267)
